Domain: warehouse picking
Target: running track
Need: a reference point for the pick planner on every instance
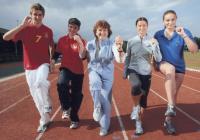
(19, 117)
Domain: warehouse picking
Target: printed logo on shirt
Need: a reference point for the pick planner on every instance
(74, 46)
(38, 38)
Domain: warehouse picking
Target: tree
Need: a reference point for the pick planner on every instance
(197, 40)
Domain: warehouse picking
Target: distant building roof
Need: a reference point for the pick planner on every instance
(2, 30)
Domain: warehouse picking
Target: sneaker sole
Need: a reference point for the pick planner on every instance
(170, 115)
(46, 126)
(168, 130)
(66, 118)
(138, 134)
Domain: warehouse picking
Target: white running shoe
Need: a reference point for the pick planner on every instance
(170, 111)
(42, 128)
(138, 128)
(73, 125)
(66, 114)
(97, 114)
(103, 132)
(135, 113)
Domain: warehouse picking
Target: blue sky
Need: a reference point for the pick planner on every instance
(121, 14)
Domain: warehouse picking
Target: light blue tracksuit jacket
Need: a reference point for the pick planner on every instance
(101, 71)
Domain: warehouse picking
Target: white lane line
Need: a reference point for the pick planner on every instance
(54, 115)
(181, 85)
(197, 78)
(11, 77)
(195, 70)
(120, 120)
(10, 106)
(13, 86)
(19, 101)
(52, 118)
(179, 109)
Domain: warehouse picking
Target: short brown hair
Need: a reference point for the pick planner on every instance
(37, 6)
(104, 24)
(74, 21)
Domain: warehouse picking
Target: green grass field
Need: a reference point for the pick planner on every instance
(192, 60)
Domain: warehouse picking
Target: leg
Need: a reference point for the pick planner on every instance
(105, 99)
(43, 85)
(95, 90)
(39, 88)
(179, 80)
(146, 83)
(136, 94)
(63, 88)
(170, 84)
(77, 96)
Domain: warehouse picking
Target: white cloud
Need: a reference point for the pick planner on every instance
(120, 14)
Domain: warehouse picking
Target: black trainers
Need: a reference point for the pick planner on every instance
(169, 127)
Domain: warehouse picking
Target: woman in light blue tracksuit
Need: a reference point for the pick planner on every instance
(101, 52)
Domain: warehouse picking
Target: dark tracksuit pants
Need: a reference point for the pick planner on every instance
(69, 88)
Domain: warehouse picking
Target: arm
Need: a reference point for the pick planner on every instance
(51, 53)
(127, 60)
(118, 50)
(82, 49)
(11, 34)
(192, 46)
(156, 50)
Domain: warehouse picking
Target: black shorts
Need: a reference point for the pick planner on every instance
(140, 84)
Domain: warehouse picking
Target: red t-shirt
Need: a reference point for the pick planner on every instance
(36, 41)
(70, 54)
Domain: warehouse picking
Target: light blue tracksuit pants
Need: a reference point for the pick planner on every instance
(101, 82)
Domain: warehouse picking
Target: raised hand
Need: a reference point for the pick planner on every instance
(180, 31)
(27, 21)
(77, 38)
(119, 43)
(153, 42)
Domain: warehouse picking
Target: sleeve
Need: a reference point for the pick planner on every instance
(19, 35)
(127, 60)
(57, 50)
(189, 34)
(88, 46)
(119, 55)
(156, 53)
(51, 38)
(155, 35)
(84, 45)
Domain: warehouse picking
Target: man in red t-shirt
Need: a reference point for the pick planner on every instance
(38, 48)
(69, 86)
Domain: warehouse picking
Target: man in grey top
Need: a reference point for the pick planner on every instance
(137, 69)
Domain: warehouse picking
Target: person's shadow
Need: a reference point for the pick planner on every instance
(152, 121)
(154, 118)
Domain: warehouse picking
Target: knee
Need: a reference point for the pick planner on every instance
(136, 89)
(61, 86)
(170, 72)
(42, 83)
(170, 69)
(95, 85)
